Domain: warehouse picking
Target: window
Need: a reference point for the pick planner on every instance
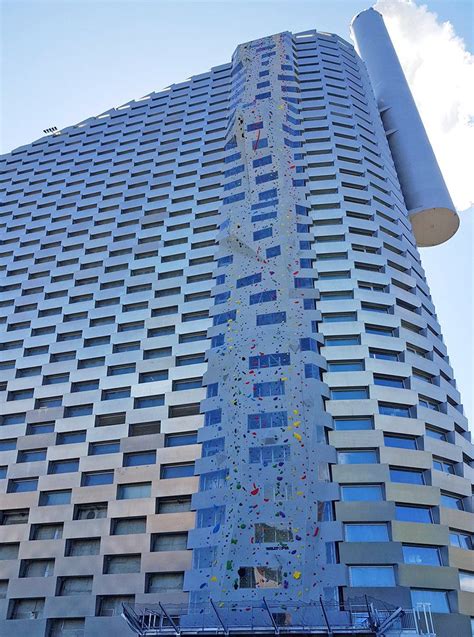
(37, 568)
(66, 627)
(190, 359)
(415, 554)
(152, 377)
(64, 466)
(407, 476)
(75, 585)
(17, 516)
(389, 409)
(85, 385)
(116, 393)
(50, 498)
(114, 564)
(180, 411)
(133, 491)
(349, 393)
(9, 551)
(346, 366)
(389, 381)
(97, 478)
(144, 428)
(169, 542)
(139, 458)
(437, 599)
(40, 428)
(29, 608)
(466, 581)
(401, 442)
(384, 354)
(367, 532)
(274, 318)
(127, 526)
(357, 456)
(111, 605)
(260, 577)
(437, 434)
(164, 582)
(118, 370)
(446, 466)
(406, 513)
(452, 501)
(269, 454)
(78, 410)
(268, 360)
(79, 547)
(22, 485)
(52, 531)
(270, 388)
(353, 424)
(106, 420)
(363, 492)
(178, 504)
(461, 540)
(371, 576)
(264, 533)
(267, 420)
(70, 437)
(160, 352)
(102, 448)
(334, 341)
(178, 440)
(144, 402)
(184, 470)
(187, 383)
(31, 455)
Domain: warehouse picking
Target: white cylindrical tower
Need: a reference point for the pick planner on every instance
(432, 213)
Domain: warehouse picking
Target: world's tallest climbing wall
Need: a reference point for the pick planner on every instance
(231, 262)
(264, 475)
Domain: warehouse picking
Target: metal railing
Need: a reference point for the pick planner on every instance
(367, 617)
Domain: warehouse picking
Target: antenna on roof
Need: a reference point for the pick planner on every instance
(53, 129)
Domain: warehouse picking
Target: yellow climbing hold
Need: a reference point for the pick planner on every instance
(297, 436)
(213, 578)
(297, 574)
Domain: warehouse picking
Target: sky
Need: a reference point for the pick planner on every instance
(63, 61)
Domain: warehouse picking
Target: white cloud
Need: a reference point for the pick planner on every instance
(440, 73)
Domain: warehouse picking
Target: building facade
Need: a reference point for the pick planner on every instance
(222, 373)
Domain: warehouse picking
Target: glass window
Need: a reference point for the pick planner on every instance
(149, 401)
(362, 492)
(49, 498)
(97, 478)
(133, 491)
(357, 456)
(384, 354)
(46, 531)
(265, 533)
(40, 428)
(127, 526)
(389, 409)
(410, 476)
(438, 600)
(368, 532)
(64, 466)
(461, 539)
(371, 576)
(37, 568)
(415, 554)
(452, 501)
(75, 585)
(22, 485)
(178, 504)
(184, 470)
(260, 577)
(83, 546)
(402, 442)
(164, 582)
(139, 458)
(406, 513)
(346, 366)
(144, 428)
(466, 581)
(437, 434)
(9, 551)
(169, 542)
(114, 564)
(92, 511)
(389, 381)
(353, 424)
(70, 437)
(28, 608)
(349, 393)
(17, 516)
(178, 440)
(102, 448)
(446, 466)
(111, 605)
(32, 455)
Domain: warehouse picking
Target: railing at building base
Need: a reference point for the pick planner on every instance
(367, 618)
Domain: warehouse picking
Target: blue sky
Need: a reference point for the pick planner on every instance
(66, 60)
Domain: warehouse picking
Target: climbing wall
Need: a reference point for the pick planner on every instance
(263, 508)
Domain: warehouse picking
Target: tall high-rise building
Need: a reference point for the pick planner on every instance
(223, 381)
